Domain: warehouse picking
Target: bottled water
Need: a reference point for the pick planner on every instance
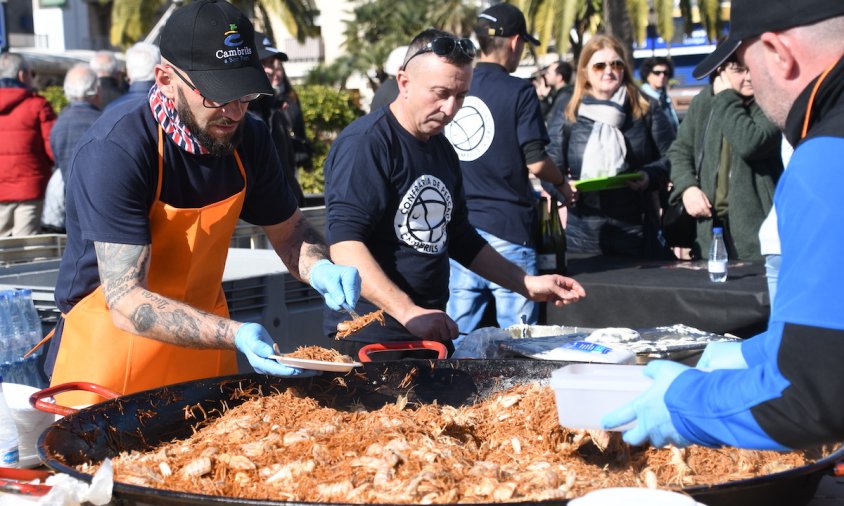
(30, 314)
(717, 256)
(9, 442)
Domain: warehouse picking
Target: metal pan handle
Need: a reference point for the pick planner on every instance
(35, 400)
(363, 353)
(13, 480)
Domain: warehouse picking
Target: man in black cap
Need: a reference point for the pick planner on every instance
(783, 388)
(500, 138)
(273, 109)
(154, 194)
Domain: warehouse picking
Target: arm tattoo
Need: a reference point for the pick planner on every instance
(123, 270)
(313, 248)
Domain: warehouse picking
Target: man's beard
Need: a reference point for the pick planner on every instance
(214, 146)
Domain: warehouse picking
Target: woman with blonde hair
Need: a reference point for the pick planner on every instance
(610, 129)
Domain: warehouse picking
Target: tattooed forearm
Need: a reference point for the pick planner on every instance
(313, 249)
(136, 309)
(122, 267)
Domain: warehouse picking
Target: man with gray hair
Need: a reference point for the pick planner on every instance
(110, 76)
(81, 88)
(26, 159)
(141, 60)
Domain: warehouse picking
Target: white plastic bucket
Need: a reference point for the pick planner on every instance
(29, 421)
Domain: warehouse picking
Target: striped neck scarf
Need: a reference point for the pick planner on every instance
(164, 112)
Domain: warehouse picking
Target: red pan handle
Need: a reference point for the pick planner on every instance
(363, 353)
(838, 469)
(35, 400)
(15, 481)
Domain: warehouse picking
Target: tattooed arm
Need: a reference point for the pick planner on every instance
(298, 244)
(134, 308)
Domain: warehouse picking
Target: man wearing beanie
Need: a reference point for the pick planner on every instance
(781, 389)
(153, 196)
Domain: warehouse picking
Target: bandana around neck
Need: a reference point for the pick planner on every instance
(164, 112)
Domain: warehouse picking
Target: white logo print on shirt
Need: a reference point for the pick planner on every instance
(423, 215)
(472, 130)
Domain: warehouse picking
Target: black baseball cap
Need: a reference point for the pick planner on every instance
(214, 44)
(506, 20)
(751, 18)
(266, 48)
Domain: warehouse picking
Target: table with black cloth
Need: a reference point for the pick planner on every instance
(640, 294)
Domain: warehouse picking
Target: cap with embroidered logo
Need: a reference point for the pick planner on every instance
(214, 44)
(751, 18)
(505, 20)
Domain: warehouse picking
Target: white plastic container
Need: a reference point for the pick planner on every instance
(29, 421)
(631, 496)
(586, 392)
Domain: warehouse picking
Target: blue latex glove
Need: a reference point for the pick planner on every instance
(254, 342)
(339, 285)
(722, 356)
(653, 421)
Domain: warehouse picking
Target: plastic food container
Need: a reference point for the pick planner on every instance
(586, 392)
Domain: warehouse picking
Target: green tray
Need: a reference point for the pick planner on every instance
(606, 183)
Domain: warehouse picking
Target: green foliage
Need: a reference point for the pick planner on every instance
(326, 112)
(54, 95)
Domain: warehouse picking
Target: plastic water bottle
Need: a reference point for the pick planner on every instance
(29, 373)
(6, 335)
(9, 441)
(717, 257)
(30, 315)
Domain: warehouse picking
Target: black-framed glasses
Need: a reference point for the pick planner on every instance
(444, 46)
(602, 65)
(211, 104)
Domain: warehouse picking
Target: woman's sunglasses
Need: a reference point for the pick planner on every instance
(444, 46)
(602, 65)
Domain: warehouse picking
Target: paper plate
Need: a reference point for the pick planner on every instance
(606, 183)
(317, 365)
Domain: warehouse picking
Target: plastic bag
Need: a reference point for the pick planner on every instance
(481, 343)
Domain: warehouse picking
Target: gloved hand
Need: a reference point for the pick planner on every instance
(722, 356)
(254, 342)
(653, 421)
(338, 284)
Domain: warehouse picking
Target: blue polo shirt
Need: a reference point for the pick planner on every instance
(499, 116)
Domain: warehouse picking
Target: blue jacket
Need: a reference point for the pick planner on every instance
(791, 394)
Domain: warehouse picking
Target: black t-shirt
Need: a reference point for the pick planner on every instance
(499, 117)
(403, 198)
(113, 179)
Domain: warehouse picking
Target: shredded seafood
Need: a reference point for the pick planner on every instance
(345, 329)
(291, 447)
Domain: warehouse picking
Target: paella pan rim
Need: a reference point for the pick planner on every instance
(486, 374)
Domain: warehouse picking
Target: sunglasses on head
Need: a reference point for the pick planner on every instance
(602, 65)
(445, 46)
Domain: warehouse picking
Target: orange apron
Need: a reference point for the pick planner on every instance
(189, 248)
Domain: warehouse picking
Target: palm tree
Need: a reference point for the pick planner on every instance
(132, 20)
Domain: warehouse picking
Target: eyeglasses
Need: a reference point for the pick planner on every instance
(210, 104)
(659, 72)
(444, 46)
(602, 65)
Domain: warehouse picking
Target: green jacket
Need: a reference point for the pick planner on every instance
(755, 165)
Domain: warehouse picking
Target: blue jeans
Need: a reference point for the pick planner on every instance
(470, 293)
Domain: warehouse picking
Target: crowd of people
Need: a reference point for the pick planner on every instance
(431, 201)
